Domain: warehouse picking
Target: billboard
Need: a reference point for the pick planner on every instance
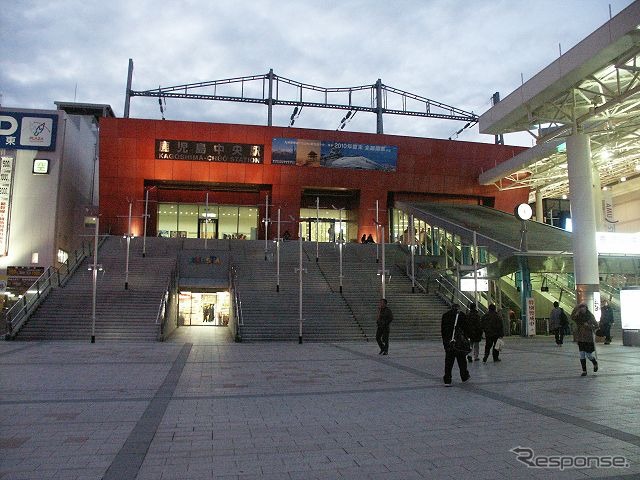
(28, 131)
(320, 153)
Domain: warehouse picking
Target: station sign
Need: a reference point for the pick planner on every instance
(208, 151)
(28, 131)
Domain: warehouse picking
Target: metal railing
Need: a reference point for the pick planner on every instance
(166, 305)
(52, 277)
(236, 321)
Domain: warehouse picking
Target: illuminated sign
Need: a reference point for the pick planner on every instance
(531, 317)
(6, 181)
(40, 166)
(629, 307)
(319, 153)
(28, 131)
(618, 243)
(208, 151)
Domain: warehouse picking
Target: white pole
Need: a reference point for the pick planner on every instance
(317, 228)
(95, 282)
(341, 242)
(383, 267)
(278, 255)
(300, 282)
(412, 236)
(475, 267)
(146, 215)
(206, 218)
(377, 236)
(126, 273)
(266, 226)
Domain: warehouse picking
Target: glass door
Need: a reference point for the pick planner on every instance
(208, 228)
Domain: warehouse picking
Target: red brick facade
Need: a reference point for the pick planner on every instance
(427, 169)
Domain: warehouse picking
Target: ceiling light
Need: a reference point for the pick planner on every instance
(637, 167)
(605, 154)
(623, 179)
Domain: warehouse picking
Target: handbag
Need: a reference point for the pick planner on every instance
(499, 345)
(459, 343)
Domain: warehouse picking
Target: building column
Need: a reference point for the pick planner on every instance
(539, 209)
(583, 216)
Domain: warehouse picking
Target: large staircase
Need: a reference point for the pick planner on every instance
(327, 313)
(121, 314)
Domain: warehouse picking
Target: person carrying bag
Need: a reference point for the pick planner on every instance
(455, 342)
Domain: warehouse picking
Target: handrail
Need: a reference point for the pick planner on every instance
(20, 312)
(237, 304)
(164, 310)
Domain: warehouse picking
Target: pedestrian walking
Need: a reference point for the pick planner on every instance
(385, 317)
(454, 324)
(558, 321)
(606, 321)
(475, 332)
(493, 330)
(585, 327)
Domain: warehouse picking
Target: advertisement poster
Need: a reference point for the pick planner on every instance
(319, 153)
(6, 178)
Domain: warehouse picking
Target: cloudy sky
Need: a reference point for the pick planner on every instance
(457, 52)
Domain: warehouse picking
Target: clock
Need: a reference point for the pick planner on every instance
(523, 211)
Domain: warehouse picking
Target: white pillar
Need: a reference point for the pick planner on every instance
(597, 199)
(583, 219)
(539, 209)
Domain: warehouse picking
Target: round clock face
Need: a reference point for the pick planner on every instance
(523, 211)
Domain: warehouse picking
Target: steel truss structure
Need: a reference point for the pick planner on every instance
(605, 105)
(376, 98)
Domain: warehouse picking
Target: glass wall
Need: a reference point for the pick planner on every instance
(329, 226)
(213, 221)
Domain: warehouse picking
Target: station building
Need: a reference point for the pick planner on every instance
(223, 180)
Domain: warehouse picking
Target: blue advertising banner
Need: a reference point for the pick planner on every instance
(319, 153)
(28, 131)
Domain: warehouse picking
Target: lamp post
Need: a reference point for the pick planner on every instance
(126, 268)
(340, 240)
(300, 270)
(383, 272)
(146, 214)
(523, 212)
(317, 228)
(94, 272)
(206, 218)
(377, 236)
(146, 217)
(266, 227)
(412, 240)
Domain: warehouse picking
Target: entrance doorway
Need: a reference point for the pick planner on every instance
(328, 230)
(208, 228)
(203, 308)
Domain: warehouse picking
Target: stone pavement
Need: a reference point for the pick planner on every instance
(202, 407)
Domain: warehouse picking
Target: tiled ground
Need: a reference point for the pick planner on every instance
(201, 407)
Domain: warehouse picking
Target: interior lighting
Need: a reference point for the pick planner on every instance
(564, 197)
(637, 167)
(623, 179)
(605, 154)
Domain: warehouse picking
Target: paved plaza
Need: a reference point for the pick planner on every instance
(202, 407)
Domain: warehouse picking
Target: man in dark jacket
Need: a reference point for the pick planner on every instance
(385, 317)
(606, 320)
(450, 318)
(493, 330)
